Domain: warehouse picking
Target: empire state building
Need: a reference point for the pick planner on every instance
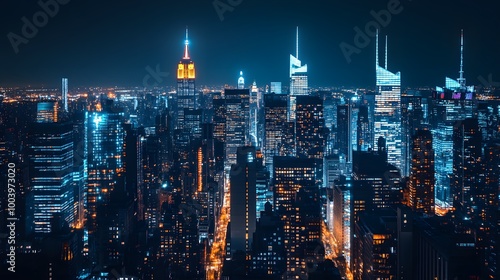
(186, 93)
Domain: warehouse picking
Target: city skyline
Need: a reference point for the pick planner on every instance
(242, 140)
(116, 49)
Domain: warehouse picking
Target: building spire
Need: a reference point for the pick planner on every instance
(186, 44)
(386, 52)
(461, 80)
(376, 51)
(297, 44)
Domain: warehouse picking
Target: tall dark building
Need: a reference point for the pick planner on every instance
(179, 251)
(363, 130)
(344, 130)
(376, 182)
(374, 255)
(421, 183)
(441, 253)
(268, 247)
(243, 200)
(467, 181)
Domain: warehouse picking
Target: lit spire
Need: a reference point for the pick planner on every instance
(461, 80)
(241, 81)
(297, 44)
(386, 52)
(186, 44)
(376, 51)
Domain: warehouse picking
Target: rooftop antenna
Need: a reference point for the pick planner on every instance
(297, 44)
(461, 80)
(376, 51)
(385, 51)
(186, 43)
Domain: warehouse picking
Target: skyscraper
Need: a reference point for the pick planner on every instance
(186, 93)
(342, 215)
(46, 112)
(310, 127)
(64, 91)
(363, 131)
(388, 109)
(236, 105)
(241, 81)
(344, 130)
(467, 182)
(298, 79)
(421, 185)
(453, 103)
(254, 116)
(105, 147)
(243, 199)
(411, 118)
(276, 87)
(294, 184)
(275, 122)
(51, 167)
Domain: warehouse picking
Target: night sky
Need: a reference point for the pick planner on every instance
(111, 42)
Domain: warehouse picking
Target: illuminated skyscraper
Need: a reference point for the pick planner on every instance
(342, 219)
(388, 109)
(105, 147)
(46, 112)
(412, 118)
(298, 79)
(186, 93)
(241, 81)
(64, 92)
(293, 176)
(275, 122)
(276, 87)
(51, 166)
(421, 185)
(460, 82)
(290, 174)
(453, 103)
(237, 118)
(254, 115)
(310, 127)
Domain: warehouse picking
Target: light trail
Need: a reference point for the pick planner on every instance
(218, 250)
(332, 248)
